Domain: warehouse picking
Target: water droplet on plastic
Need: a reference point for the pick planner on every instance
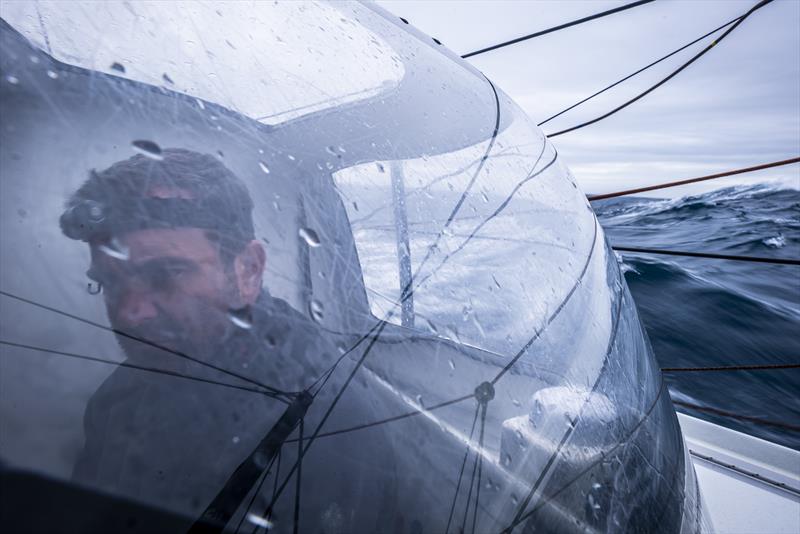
(596, 486)
(355, 205)
(259, 521)
(263, 167)
(242, 317)
(235, 439)
(309, 236)
(317, 311)
(13, 80)
(200, 104)
(514, 499)
(484, 197)
(330, 150)
(148, 148)
(292, 158)
(270, 341)
(506, 459)
(452, 364)
(117, 67)
(381, 168)
(167, 79)
(52, 74)
(115, 249)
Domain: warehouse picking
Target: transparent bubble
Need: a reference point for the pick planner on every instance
(317, 310)
(309, 236)
(242, 317)
(148, 148)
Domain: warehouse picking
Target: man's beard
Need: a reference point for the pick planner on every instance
(164, 343)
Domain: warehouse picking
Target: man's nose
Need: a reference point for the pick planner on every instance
(135, 306)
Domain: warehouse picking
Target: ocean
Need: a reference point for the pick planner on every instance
(707, 312)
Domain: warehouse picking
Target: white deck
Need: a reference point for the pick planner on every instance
(749, 485)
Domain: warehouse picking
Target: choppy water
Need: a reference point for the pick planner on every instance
(703, 312)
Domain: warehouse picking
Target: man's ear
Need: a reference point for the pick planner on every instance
(248, 267)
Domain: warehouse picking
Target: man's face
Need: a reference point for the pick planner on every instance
(167, 286)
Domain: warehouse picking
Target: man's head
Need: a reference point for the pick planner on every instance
(172, 245)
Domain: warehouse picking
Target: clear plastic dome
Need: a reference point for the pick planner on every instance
(298, 267)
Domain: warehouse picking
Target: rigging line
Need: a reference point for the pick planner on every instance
(732, 368)
(411, 287)
(669, 77)
(469, 493)
(256, 492)
(140, 368)
(602, 458)
(732, 415)
(467, 189)
(331, 406)
(503, 205)
(574, 422)
(392, 419)
(552, 317)
(629, 76)
(756, 259)
(145, 342)
(461, 471)
(383, 322)
(408, 291)
(556, 28)
(299, 478)
(484, 407)
(693, 180)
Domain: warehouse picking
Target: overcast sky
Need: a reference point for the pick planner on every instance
(737, 106)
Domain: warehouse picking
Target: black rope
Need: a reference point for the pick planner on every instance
(145, 342)
(139, 368)
(299, 475)
(219, 512)
(556, 28)
(257, 491)
(732, 415)
(629, 76)
(521, 352)
(757, 259)
(408, 291)
(573, 422)
(480, 453)
(461, 471)
(469, 493)
(693, 180)
(759, 367)
(669, 77)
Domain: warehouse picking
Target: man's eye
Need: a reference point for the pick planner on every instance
(166, 276)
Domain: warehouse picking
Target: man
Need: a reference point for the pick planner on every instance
(173, 251)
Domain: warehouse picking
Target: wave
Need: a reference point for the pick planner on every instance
(767, 195)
